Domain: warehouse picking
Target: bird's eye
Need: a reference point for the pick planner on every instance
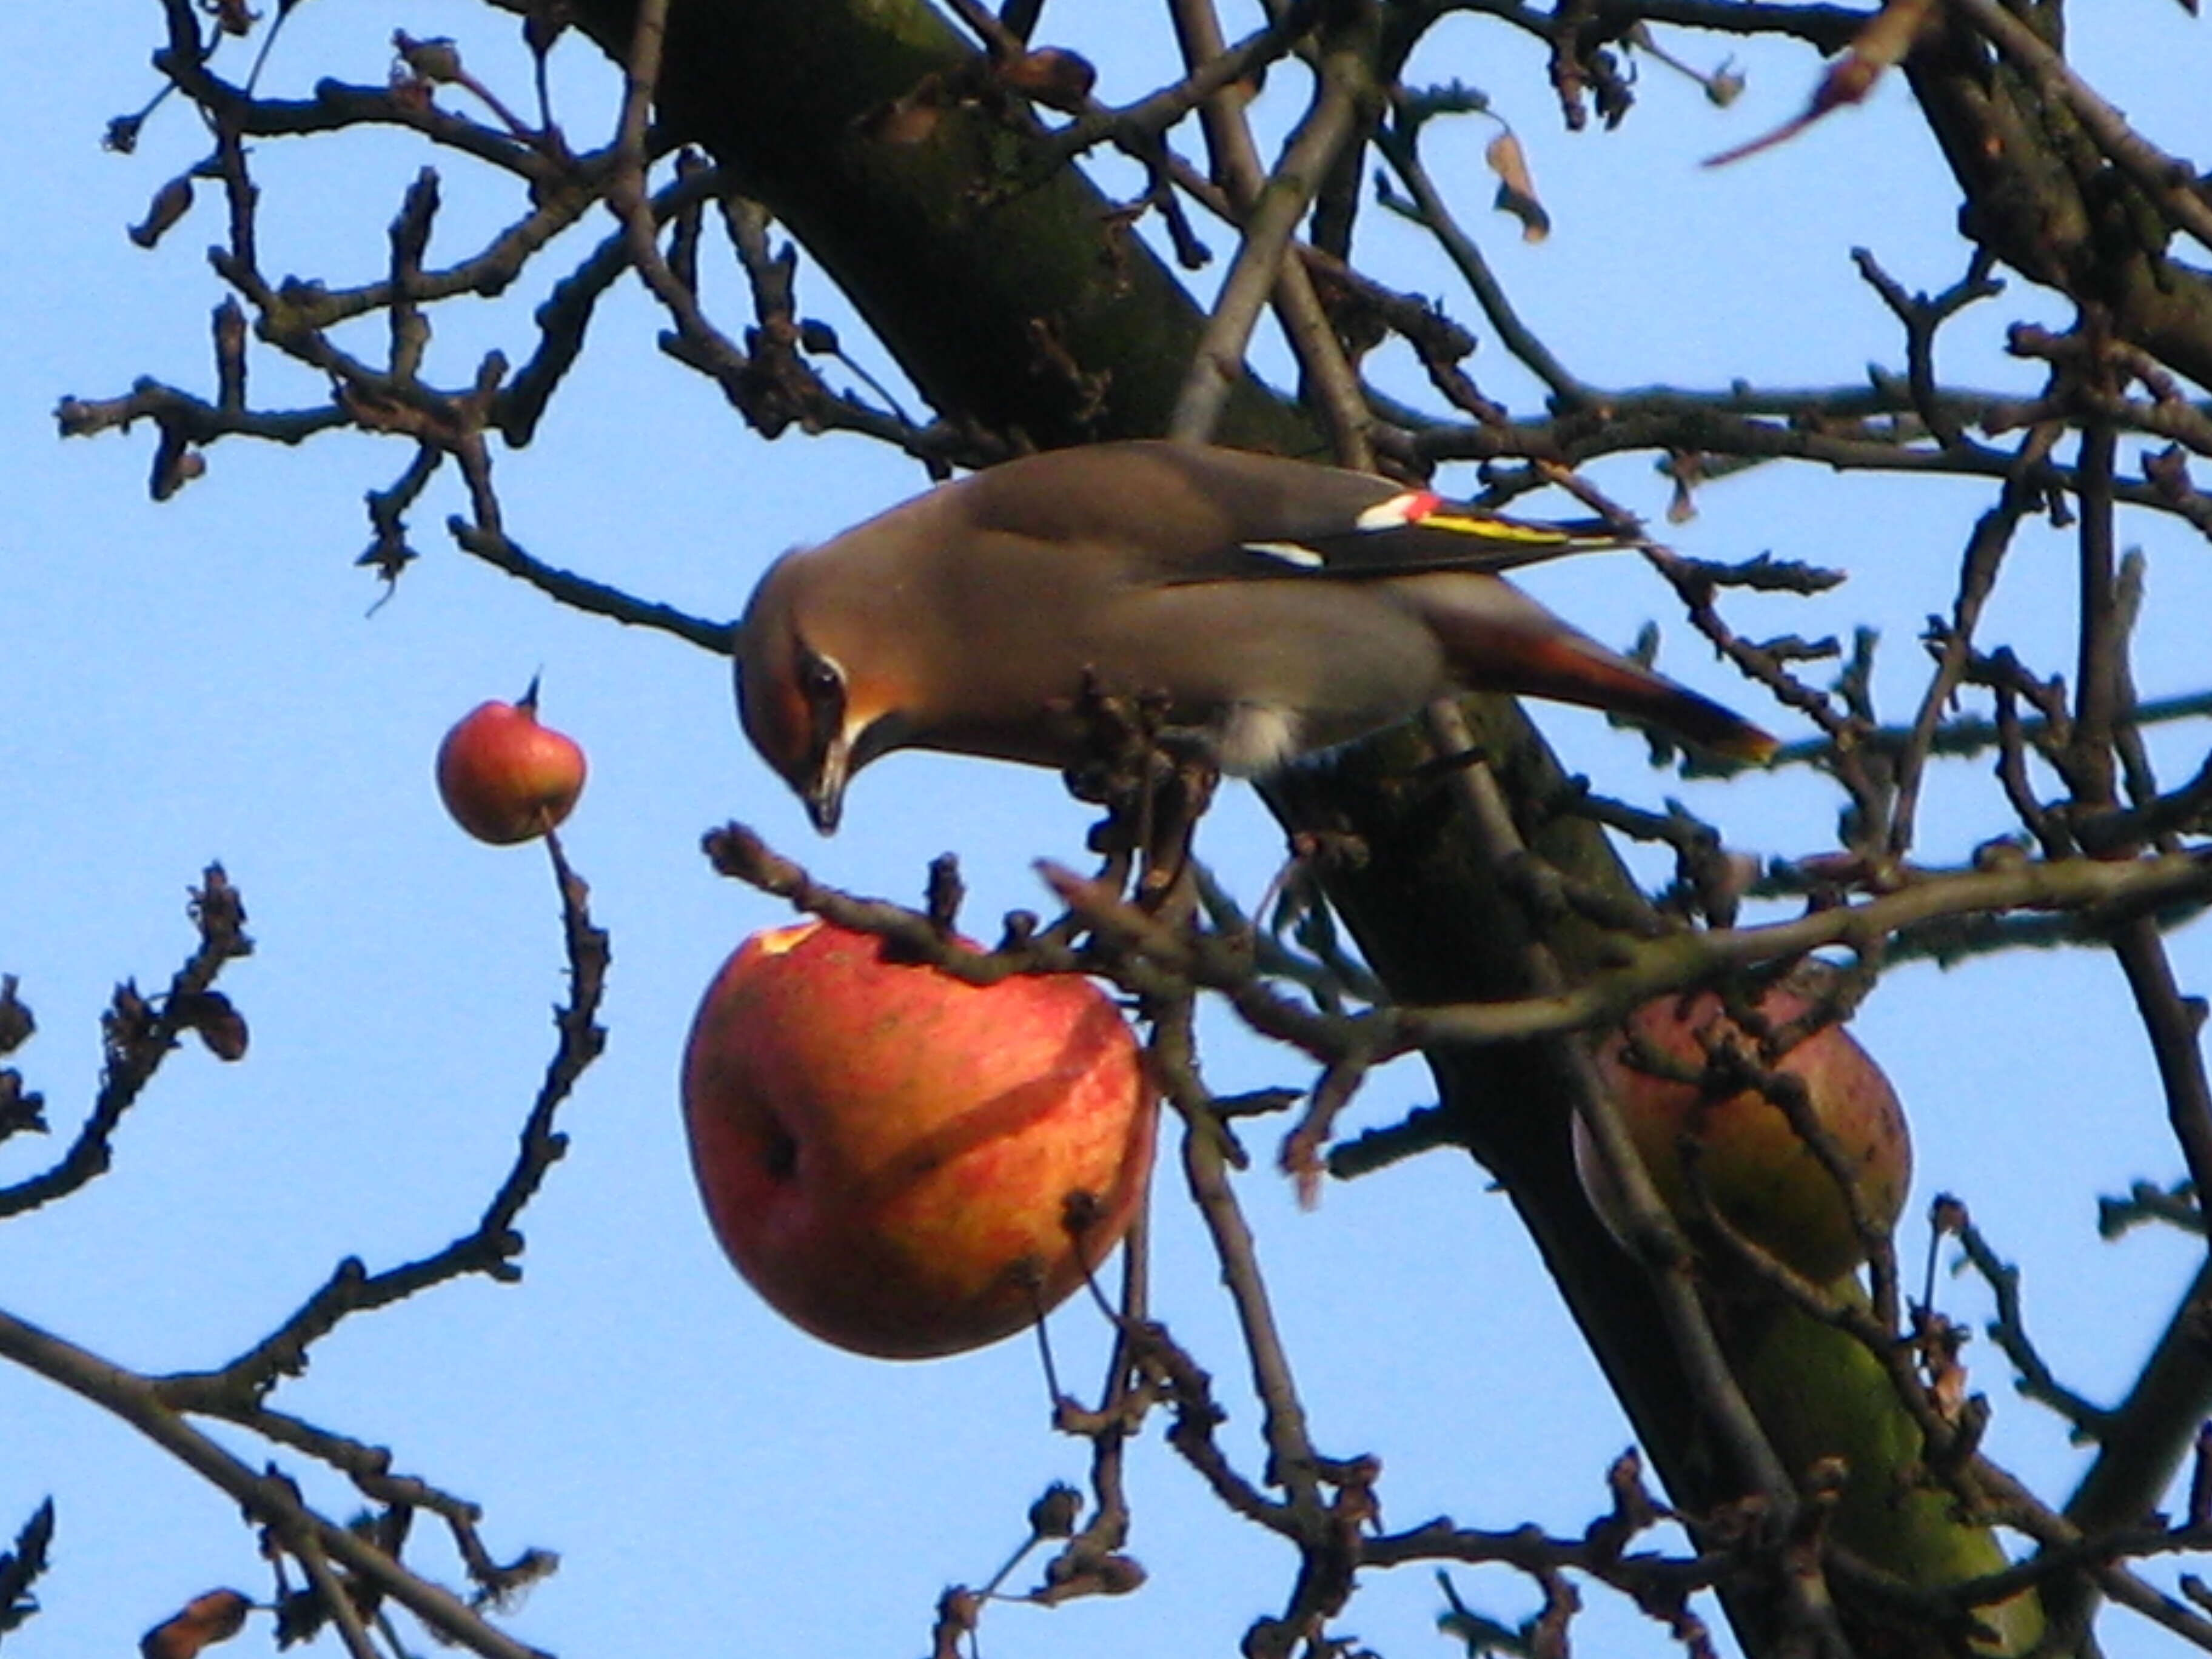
(820, 678)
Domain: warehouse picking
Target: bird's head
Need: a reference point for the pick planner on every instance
(804, 694)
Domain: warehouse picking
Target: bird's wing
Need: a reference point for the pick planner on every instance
(1177, 513)
(1405, 533)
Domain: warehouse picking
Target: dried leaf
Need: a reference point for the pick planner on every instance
(220, 1026)
(217, 1616)
(1516, 190)
(171, 202)
(1079, 1573)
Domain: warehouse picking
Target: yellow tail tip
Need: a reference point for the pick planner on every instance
(1749, 744)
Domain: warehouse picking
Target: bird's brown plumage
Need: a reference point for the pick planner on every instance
(1281, 606)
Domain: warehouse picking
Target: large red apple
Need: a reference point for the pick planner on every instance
(890, 1156)
(1760, 1174)
(504, 777)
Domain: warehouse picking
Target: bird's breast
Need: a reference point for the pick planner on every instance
(1254, 738)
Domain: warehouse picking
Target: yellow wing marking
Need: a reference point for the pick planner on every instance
(1499, 529)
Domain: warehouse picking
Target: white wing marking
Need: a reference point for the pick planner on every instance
(1287, 553)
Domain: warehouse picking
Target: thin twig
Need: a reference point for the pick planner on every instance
(267, 1499)
(1218, 363)
(139, 1038)
(1329, 374)
(1977, 574)
(489, 1248)
(1436, 215)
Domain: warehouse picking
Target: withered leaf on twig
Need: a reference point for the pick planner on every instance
(220, 1026)
(171, 202)
(1516, 190)
(216, 1616)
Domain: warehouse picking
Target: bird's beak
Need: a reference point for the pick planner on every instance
(824, 793)
(843, 752)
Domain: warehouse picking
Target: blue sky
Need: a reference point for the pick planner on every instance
(212, 679)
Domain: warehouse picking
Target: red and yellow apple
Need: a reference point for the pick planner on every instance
(504, 777)
(891, 1156)
(1761, 1176)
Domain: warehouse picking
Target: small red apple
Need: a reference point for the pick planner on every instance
(504, 777)
(1760, 1174)
(888, 1154)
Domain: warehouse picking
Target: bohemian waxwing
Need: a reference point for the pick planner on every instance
(1279, 606)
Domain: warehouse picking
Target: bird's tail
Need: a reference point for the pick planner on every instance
(1621, 685)
(1510, 643)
